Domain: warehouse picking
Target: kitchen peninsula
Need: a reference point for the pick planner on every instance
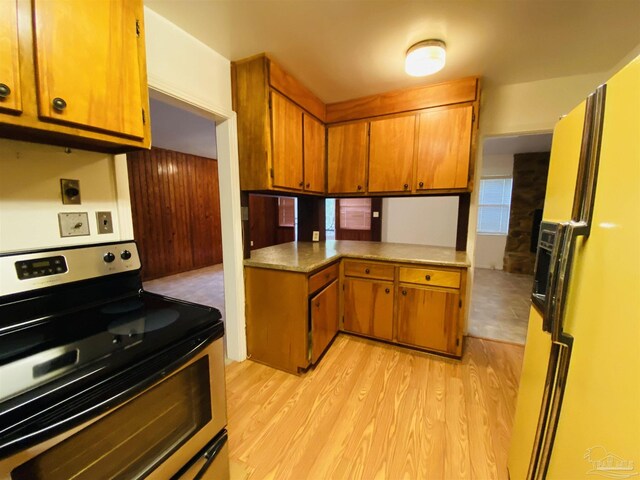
(300, 294)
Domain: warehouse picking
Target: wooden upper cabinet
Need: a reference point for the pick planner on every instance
(391, 147)
(314, 154)
(347, 158)
(444, 148)
(286, 128)
(10, 98)
(428, 318)
(281, 137)
(87, 66)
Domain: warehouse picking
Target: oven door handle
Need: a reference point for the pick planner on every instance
(210, 455)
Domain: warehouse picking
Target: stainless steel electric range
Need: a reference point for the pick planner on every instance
(101, 379)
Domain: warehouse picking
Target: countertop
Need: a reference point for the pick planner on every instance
(309, 256)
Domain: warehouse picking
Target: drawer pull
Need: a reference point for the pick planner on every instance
(386, 290)
(427, 277)
(366, 270)
(59, 104)
(5, 91)
(404, 292)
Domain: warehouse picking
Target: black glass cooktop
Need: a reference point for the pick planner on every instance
(110, 336)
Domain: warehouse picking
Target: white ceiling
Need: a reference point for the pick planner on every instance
(517, 144)
(344, 49)
(177, 129)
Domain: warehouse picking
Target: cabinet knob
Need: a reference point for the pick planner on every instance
(301, 184)
(359, 187)
(5, 91)
(427, 277)
(318, 304)
(308, 184)
(406, 186)
(421, 184)
(404, 292)
(366, 270)
(386, 290)
(59, 104)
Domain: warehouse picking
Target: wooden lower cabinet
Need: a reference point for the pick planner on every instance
(291, 316)
(368, 307)
(428, 318)
(324, 319)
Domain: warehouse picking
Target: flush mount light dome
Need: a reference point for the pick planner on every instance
(425, 58)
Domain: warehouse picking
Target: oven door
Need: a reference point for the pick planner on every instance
(150, 436)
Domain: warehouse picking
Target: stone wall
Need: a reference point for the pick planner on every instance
(529, 186)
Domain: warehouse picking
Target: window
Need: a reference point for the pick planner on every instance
(494, 204)
(355, 213)
(286, 212)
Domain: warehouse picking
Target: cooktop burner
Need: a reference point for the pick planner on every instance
(146, 322)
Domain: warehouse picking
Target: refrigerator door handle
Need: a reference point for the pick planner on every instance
(557, 254)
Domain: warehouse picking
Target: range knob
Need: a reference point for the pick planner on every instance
(109, 257)
(125, 255)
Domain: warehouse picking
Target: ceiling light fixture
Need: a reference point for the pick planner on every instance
(425, 58)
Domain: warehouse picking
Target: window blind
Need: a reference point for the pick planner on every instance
(355, 213)
(494, 204)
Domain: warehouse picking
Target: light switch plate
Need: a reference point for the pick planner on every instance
(104, 222)
(73, 224)
(316, 236)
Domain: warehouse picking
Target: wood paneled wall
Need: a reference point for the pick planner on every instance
(175, 202)
(263, 220)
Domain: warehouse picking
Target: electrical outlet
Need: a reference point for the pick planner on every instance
(316, 236)
(70, 191)
(73, 224)
(376, 214)
(105, 224)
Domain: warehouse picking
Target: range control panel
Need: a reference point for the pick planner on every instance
(31, 270)
(41, 267)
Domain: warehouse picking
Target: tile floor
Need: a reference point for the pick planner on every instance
(204, 286)
(500, 305)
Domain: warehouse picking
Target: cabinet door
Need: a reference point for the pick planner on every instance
(324, 319)
(314, 153)
(10, 99)
(286, 131)
(87, 64)
(347, 158)
(368, 308)
(428, 318)
(444, 147)
(391, 146)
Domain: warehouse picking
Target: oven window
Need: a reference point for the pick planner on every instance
(133, 439)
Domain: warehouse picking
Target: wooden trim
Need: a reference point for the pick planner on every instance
(404, 100)
(294, 90)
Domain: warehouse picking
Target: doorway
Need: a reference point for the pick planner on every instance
(511, 193)
(175, 203)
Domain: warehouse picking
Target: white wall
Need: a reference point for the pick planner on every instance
(30, 198)
(183, 70)
(420, 220)
(490, 248)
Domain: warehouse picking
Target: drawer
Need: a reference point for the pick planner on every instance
(320, 279)
(430, 276)
(379, 271)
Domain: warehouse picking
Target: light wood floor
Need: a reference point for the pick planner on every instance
(376, 411)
